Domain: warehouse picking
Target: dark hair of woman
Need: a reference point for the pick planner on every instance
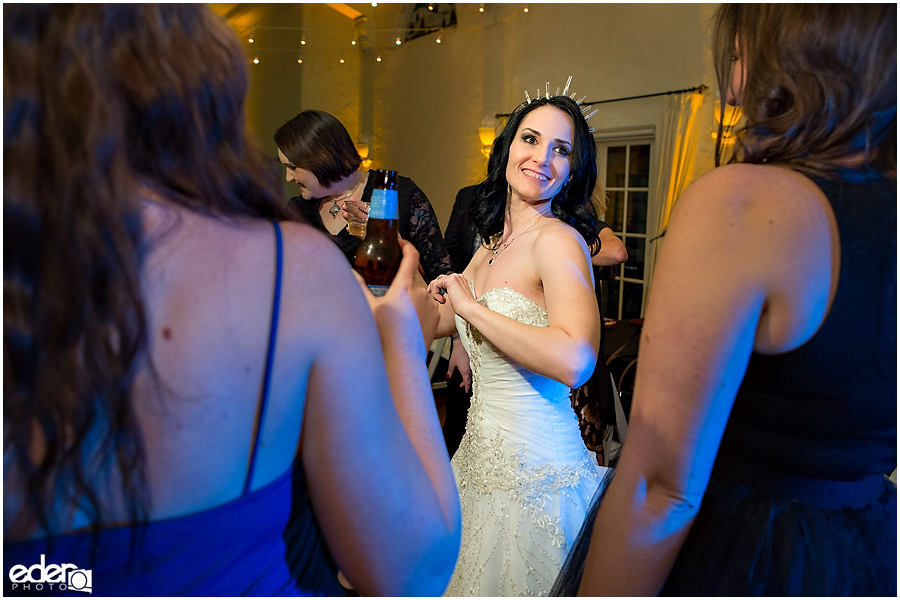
(317, 142)
(816, 88)
(571, 205)
(100, 100)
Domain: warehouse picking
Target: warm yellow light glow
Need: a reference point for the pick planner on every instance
(302, 42)
(255, 60)
(481, 8)
(250, 40)
(437, 41)
(398, 42)
(486, 135)
(731, 117)
(363, 150)
(377, 59)
(526, 8)
(345, 9)
(342, 61)
(729, 120)
(352, 42)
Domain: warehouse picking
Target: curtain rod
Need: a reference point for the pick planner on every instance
(700, 88)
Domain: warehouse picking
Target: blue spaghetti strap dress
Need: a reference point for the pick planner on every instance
(798, 503)
(264, 543)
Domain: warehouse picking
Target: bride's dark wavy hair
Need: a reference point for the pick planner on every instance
(821, 83)
(571, 205)
(98, 99)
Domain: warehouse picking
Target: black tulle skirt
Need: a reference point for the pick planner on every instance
(752, 543)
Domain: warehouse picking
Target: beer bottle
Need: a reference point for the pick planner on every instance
(378, 257)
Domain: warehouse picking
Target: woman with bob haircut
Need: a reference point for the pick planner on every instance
(525, 312)
(319, 156)
(172, 425)
(764, 419)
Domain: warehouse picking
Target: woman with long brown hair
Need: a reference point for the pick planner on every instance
(526, 314)
(177, 420)
(764, 419)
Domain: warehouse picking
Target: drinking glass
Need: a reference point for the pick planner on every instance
(357, 216)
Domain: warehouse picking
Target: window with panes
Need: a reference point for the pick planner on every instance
(625, 173)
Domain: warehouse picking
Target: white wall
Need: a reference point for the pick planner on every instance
(430, 99)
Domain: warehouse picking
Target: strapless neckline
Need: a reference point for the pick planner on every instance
(500, 290)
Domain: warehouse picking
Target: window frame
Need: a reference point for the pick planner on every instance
(628, 137)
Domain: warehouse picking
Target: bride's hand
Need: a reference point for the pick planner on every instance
(454, 287)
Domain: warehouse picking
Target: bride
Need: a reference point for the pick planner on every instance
(526, 313)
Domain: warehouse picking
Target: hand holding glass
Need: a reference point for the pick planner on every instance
(356, 213)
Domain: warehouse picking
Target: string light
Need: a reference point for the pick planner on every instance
(355, 41)
(374, 4)
(481, 8)
(430, 7)
(526, 8)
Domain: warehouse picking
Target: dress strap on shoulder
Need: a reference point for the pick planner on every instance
(270, 359)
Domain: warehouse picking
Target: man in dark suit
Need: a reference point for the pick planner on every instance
(461, 238)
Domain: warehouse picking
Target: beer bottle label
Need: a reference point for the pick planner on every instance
(384, 204)
(379, 290)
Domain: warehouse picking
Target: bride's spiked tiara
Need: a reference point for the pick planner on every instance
(565, 92)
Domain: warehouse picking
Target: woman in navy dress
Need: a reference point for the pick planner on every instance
(177, 415)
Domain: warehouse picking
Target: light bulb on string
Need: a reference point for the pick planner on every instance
(431, 7)
(299, 61)
(303, 42)
(352, 42)
(250, 40)
(255, 60)
(377, 59)
(438, 40)
(481, 8)
(398, 42)
(525, 9)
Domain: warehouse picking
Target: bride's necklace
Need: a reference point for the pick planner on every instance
(335, 209)
(510, 241)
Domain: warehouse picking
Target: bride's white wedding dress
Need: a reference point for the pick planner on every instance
(524, 475)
